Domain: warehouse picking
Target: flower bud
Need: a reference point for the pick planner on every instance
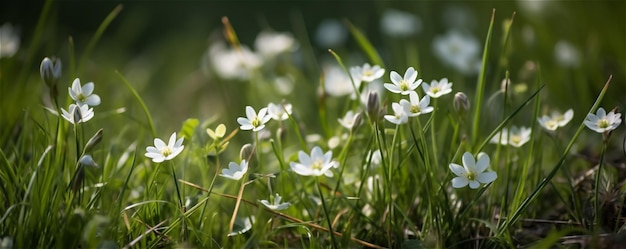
(246, 152)
(93, 141)
(357, 121)
(87, 160)
(461, 103)
(50, 71)
(373, 105)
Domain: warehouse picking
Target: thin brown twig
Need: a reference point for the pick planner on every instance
(287, 217)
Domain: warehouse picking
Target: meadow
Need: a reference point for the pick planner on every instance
(349, 124)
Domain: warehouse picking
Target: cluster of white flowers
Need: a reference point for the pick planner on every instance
(407, 85)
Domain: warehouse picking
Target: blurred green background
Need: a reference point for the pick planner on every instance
(159, 47)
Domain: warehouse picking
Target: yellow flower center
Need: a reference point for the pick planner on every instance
(471, 176)
(435, 89)
(551, 124)
(516, 139)
(256, 122)
(317, 165)
(603, 123)
(415, 109)
(81, 97)
(404, 86)
(367, 73)
(166, 151)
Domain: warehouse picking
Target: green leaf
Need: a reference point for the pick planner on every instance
(189, 126)
(366, 45)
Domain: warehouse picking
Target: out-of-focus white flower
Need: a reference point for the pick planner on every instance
(566, 54)
(555, 120)
(367, 73)
(242, 225)
(331, 33)
(437, 89)
(350, 119)
(535, 8)
(270, 44)
(87, 160)
(396, 23)
(9, 40)
(233, 64)
(337, 83)
(279, 111)
(515, 137)
(458, 50)
(50, 71)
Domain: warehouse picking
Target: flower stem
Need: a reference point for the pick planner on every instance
(330, 224)
(180, 201)
(239, 197)
(596, 204)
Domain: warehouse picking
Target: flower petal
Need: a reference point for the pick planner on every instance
(474, 184)
(483, 162)
(87, 89)
(469, 162)
(159, 144)
(487, 177)
(459, 182)
(458, 170)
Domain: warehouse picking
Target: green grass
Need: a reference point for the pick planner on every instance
(558, 188)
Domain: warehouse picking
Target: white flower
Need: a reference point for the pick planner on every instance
(276, 205)
(337, 83)
(279, 111)
(566, 54)
(233, 64)
(331, 33)
(555, 120)
(403, 85)
(398, 23)
(367, 73)
(254, 121)
(9, 40)
(235, 171)
(77, 113)
(416, 106)
(162, 152)
(515, 137)
(350, 119)
(472, 171)
(458, 50)
(83, 94)
(602, 122)
(400, 114)
(270, 44)
(315, 165)
(437, 89)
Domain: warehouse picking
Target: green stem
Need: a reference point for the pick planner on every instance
(432, 133)
(330, 224)
(596, 203)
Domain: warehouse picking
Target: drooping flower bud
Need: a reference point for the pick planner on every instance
(461, 103)
(50, 71)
